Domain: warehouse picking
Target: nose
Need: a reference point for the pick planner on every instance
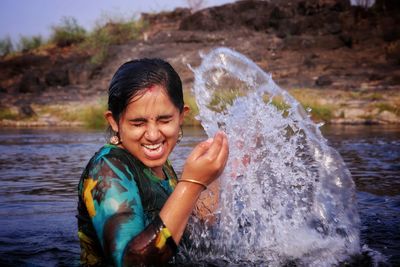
(152, 132)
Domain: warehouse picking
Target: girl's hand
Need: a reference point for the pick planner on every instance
(207, 160)
(204, 164)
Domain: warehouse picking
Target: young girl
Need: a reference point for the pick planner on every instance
(132, 208)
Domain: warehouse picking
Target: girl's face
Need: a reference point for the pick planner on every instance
(149, 127)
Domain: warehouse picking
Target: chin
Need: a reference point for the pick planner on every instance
(154, 163)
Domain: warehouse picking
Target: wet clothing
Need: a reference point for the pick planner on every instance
(119, 202)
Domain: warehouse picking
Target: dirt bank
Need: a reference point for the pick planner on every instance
(327, 53)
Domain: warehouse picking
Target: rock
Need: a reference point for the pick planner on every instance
(323, 80)
(347, 39)
(376, 76)
(26, 111)
(390, 33)
(79, 74)
(282, 37)
(166, 17)
(352, 113)
(57, 77)
(393, 80)
(388, 117)
(328, 42)
(387, 6)
(308, 61)
(26, 62)
(312, 42)
(290, 28)
(393, 52)
(201, 21)
(340, 5)
(312, 7)
(285, 18)
(352, 121)
(276, 17)
(334, 28)
(253, 15)
(30, 83)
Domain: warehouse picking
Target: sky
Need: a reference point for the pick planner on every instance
(36, 17)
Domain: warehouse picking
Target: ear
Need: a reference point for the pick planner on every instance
(109, 117)
(183, 114)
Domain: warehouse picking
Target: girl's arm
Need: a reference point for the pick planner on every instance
(204, 164)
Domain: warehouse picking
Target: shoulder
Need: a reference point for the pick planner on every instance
(114, 155)
(108, 174)
(109, 152)
(110, 162)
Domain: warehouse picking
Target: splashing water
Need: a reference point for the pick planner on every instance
(285, 196)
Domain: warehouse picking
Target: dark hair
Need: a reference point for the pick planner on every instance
(134, 76)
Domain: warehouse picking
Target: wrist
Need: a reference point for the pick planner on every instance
(193, 181)
(193, 188)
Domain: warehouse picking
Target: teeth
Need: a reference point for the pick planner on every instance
(153, 147)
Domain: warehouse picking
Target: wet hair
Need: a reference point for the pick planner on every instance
(134, 76)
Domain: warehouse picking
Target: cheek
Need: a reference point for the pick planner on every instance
(170, 130)
(130, 133)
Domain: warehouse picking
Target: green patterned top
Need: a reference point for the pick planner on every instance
(119, 202)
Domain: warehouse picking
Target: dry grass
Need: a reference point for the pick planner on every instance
(91, 115)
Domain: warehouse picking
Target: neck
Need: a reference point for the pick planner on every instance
(158, 171)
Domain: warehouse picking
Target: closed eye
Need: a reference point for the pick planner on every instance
(138, 122)
(165, 119)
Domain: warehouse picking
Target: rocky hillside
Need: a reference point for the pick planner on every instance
(332, 56)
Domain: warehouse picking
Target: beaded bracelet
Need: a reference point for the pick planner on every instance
(194, 182)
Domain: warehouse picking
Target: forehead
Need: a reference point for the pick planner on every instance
(151, 100)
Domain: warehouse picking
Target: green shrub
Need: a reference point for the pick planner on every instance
(116, 32)
(222, 99)
(386, 106)
(112, 33)
(190, 101)
(6, 46)
(278, 102)
(90, 115)
(375, 96)
(8, 114)
(93, 116)
(67, 33)
(320, 112)
(317, 111)
(64, 113)
(29, 43)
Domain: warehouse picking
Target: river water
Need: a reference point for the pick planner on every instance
(40, 169)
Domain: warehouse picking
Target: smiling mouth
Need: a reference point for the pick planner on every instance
(153, 151)
(153, 147)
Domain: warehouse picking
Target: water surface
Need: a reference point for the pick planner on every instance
(40, 169)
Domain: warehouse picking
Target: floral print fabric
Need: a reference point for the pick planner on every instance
(119, 202)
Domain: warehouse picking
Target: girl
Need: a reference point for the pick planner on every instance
(132, 208)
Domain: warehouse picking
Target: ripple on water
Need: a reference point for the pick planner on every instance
(40, 229)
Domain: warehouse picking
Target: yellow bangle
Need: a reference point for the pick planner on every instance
(194, 182)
